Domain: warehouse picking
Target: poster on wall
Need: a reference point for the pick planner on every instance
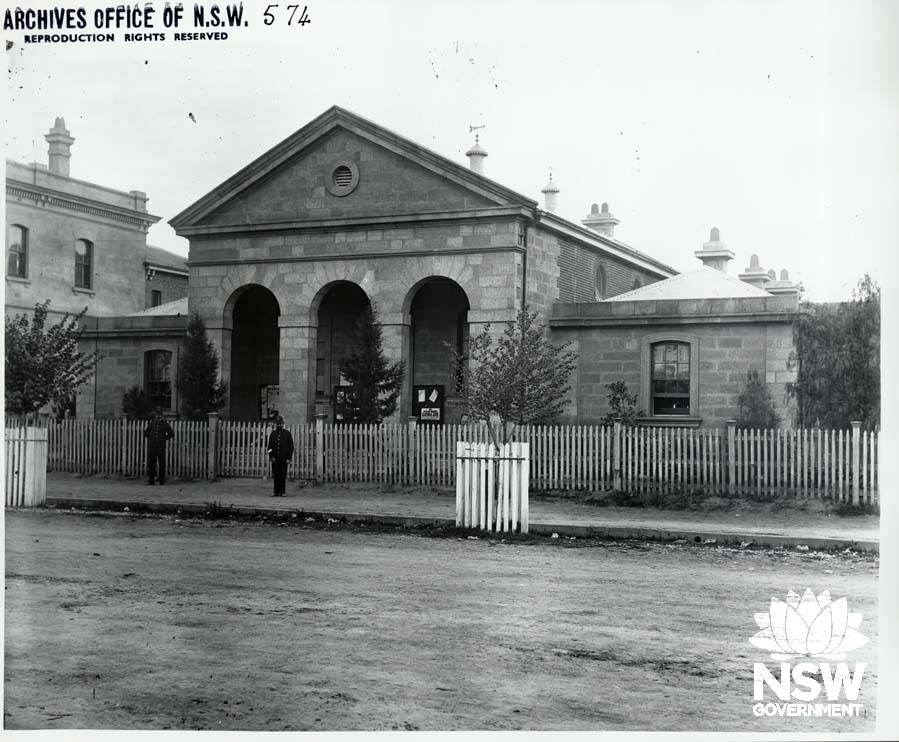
(427, 403)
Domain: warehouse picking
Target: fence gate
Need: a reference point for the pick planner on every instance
(492, 486)
(26, 466)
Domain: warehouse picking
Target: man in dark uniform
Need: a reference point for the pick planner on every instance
(157, 433)
(280, 451)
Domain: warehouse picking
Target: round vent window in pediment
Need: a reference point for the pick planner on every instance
(343, 178)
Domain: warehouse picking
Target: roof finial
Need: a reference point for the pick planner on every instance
(476, 154)
(550, 191)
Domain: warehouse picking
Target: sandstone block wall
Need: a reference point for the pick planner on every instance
(732, 337)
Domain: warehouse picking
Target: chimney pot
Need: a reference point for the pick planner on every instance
(601, 221)
(714, 253)
(754, 274)
(60, 141)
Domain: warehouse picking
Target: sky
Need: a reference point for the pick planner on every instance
(773, 121)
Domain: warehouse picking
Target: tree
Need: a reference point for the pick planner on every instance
(837, 360)
(43, 364)
(376, 384)
(755, 404)
(199, 388)
(136, 405)
(519, 378)
(623, 405)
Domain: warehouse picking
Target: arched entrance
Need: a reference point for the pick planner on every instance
(338, 311)
(439, 323)
(255, 347)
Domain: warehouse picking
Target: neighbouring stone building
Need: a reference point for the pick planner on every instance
(286, 254)
(83, 245)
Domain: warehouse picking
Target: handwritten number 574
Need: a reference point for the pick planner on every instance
(302, 20)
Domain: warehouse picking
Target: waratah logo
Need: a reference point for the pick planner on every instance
(809, 627)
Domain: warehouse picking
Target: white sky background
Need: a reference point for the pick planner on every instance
(773, 121)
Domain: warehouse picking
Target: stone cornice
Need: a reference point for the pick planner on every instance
(359, 255)
(47, 198)
(375, 221)
(656, 320)
(130, 332)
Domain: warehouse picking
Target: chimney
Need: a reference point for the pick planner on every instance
(714, 253)
(60, 141)
(477, 154)
(601, 222)
(550, 191)
(784, 286)
(755, 275)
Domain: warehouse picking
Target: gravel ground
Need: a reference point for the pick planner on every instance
(148, 622)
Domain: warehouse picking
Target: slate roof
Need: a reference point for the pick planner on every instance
(704, 283)
(171, 308)
(164, 259)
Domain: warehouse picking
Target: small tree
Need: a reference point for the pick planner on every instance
(43, 364)
(376, 384)
(837, 360)
(519, 378)
(136, 405)
(756, 406)
(623, 405)
(199, 388)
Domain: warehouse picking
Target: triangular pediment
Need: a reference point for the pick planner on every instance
(297, 180)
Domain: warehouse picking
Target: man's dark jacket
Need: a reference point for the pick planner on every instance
(280, 445)
(157, 433)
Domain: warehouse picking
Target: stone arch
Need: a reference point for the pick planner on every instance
(252, 312)
(437, 307)
(333, 313)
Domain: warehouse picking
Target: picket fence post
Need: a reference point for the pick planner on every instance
(616, 456)
(731, 456)
(411, 449)
(856, 433)
(320, 447)
(212, 445)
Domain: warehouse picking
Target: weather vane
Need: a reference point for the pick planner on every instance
(475, 130)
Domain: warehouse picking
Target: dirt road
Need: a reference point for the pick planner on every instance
(155, 623)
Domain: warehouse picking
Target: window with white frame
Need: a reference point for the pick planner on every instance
(670, 379)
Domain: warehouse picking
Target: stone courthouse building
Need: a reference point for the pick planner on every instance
(286, 254)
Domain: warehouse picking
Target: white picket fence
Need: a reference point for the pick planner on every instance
(26, 465)
(492, 486)
(835, 464)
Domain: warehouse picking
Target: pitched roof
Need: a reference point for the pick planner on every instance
(169, 309)
(334, 117)
(704, 283)
(165, 259)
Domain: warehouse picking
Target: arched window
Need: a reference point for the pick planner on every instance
(84, 260)
(670, 380)
(17, 251)
(637, 284)
(600, 283)
(158, 378)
